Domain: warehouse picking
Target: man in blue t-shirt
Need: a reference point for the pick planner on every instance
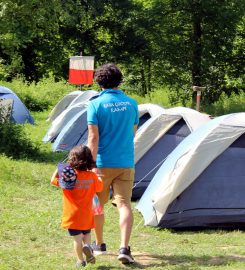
(112, 122)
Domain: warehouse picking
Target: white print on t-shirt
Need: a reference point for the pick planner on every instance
(119, 109)
(84, 184)
(119, 106)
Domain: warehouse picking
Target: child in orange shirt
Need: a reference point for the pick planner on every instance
(79, 185)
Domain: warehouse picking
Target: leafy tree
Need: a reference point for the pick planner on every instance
(28, 31)
(173, 42)
(194, 43)
(38, 37)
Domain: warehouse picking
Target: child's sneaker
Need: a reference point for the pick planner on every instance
(99, 249)
(80, 264)
(125, 256)
(87, 250)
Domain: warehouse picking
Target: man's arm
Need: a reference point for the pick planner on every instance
(135, 129)
(93, 140)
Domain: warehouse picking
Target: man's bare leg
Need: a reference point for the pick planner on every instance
(99, 227)
(126, 223)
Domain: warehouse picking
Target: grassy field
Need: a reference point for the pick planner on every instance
(31, 237)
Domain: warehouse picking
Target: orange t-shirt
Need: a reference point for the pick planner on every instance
(77, 203)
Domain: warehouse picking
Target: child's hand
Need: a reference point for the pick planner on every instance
(96, 171)
(54, 178)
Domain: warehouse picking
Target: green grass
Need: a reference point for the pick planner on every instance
(31, 236)
(30, 209)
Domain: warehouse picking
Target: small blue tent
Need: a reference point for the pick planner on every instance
(19, 113)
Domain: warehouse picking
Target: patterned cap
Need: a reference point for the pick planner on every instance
(68, 178)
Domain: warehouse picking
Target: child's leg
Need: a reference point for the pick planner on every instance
(87, 250)
(78, 246)
(87, 239)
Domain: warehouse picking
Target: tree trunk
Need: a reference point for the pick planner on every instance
(197, 48)
(197, 51)
(29, 57)
(149, 75)
(143, 80)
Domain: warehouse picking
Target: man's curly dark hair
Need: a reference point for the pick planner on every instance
(108, 76)
(80, 157)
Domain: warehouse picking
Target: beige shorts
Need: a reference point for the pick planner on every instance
(120, 180)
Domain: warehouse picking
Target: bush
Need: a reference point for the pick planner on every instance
(159, 96)
(227, 104)
(15, 143)
(39, 96)
(34, 104)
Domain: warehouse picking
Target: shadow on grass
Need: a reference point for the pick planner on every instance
(49, 157)
(41, 157)
(101, 267)
(145, 261)
(220, 228)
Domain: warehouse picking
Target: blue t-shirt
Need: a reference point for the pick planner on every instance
(115, 114)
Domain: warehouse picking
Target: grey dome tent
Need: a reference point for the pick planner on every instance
(62, 119)
(69, 127)
(73, 133)
(70, 99)
(18, 113)
(74, 127)
(147, 111)
(84, 97)
(202, 182)
(157, 138)
(63, 104)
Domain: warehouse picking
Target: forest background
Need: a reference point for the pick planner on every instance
(164, 47)
(158, 44)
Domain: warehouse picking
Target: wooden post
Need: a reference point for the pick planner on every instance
(199, 90)
(80, 86)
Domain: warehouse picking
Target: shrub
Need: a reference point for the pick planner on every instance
(159, 96)
(39, 96)
(34, 104)
(15, 143)
(227, 104)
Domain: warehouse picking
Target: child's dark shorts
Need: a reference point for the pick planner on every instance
(73, 232)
